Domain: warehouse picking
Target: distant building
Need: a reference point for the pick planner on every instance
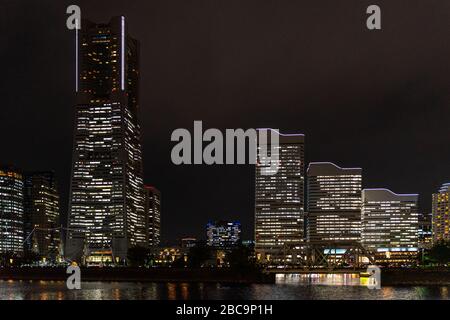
(390, 224)
(248, 243)
(41, 214)
(425, 230)
(188, 242)
(11, 210)
(279, 199)
(223, 234)
(441, 214)
(152, 209)
(166, 256)
(334, 204)
(106, 213)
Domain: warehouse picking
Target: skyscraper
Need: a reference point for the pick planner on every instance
(153, 215)
(106, 214)
(425, 230)
(11, 210)
(390, 225)
(334, 204)
(41, 214)
(441, 214)
(223, 234)
(279, 200)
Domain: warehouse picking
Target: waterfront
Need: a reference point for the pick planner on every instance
(290, 287)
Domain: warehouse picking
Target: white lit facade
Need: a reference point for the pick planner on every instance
(279, 200)
(11, 211)
(334, 204)
(390, 224)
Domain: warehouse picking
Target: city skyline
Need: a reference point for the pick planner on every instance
(391, 166)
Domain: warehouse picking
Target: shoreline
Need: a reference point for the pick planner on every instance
(140, 275)
(389, 277)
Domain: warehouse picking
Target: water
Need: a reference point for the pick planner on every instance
(289, 287)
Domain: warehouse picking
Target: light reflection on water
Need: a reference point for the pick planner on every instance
(332, 279)
(290, 287)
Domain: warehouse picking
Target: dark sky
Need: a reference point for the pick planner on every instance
(379, 100)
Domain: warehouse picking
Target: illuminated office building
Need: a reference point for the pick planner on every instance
(106, 214)
(390, 224)
(334, 204)
(153, 215)
(11, 211)
(425, 230)
(279, 200)
(223, 234)
(441, 214)
(41, 214)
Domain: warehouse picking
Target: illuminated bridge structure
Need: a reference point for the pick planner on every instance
(313, 257)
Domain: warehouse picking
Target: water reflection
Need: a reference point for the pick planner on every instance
(287, 287)
(337, 279)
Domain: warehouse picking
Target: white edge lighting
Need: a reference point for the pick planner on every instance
(123, 54)
(76, 57)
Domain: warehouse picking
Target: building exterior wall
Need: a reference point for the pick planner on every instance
(11, 211)
(41, 214)
(153, 216)
(107, 191)
(334, 204)
(441, 214)
(223, 234)
(279, 200)
(390, 225)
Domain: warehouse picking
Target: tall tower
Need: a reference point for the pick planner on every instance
(279, 200)
(153, 216)
(11, 210)
(390, 225)
(106, 213)
(334, 204)
(441, 214)
(41, 214)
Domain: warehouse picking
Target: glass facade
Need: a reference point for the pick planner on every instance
(41, 214)
(107, 190)
(390, 225)
(334, 204)
(223, 234)
(153, 215)
(11, 211)
(441, 214)
(279, 199)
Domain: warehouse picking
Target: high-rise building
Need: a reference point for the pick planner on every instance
(425, 230)
(153, 215)
(41, 214)
(106, 214)
(390, 224)
(11, 210)
(279, 199)
(223, 234)
(334, 204)
(441, 214)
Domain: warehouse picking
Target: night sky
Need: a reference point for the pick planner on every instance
(379, 100)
